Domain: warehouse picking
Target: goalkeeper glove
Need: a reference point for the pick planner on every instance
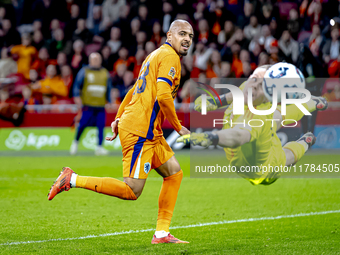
(203, 139)
(211, 103)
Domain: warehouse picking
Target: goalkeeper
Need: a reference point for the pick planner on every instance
(256, 146)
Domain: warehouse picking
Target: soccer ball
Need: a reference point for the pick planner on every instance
(283, 75)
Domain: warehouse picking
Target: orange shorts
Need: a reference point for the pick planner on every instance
(140, 155)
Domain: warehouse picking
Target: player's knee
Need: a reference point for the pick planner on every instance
(135, 186)
(175, 168)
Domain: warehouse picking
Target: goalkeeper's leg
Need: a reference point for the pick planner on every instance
(294, 113)
(295, 150)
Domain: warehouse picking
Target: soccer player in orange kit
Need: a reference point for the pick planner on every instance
(138, 122)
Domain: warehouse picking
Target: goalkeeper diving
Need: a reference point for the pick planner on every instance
(256, 146)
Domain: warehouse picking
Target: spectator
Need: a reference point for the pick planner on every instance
(140, 56)
(167, 18)
(316, 40)
(41, 63)
(50, 87)
(252, 29)
(124, 22)
(157, 34)
(79, 57)
(59, 43)
(98, 24)
(7, 64)
(273, 28)
(201, 57)
(114, 43)
(67, 77)
(266, 38)
(82, 33)
(333, 97)
(204, 35)
(198, 15)
(267, 14)
(128, 82)
(293, 24)
(139, 43)
(255, 50)
(226, 33)
(117, 80)
(123, 59)
(61, 60)
(244, 19)
(246, 70)
(37, 25)
(238, 38)
(289, 47)
(149, 47)
(143, 17)
(111, 10)
(55, 25)
(263, 59)
(214, 65)
(9, 35)
(72, 23)
(26, 54)
(135, 28)
(38, 40)
(108, 58)
(226, 71)
(331, 49)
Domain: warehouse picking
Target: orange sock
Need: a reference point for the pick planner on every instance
(107, 186)
(167, 200)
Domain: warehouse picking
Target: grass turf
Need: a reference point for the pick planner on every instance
(27, 215)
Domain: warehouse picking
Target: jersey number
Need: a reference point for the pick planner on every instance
(142, 77)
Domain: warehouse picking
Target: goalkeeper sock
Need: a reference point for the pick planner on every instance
(297, 148)
(106, 185)
(294, 113)
(167, 200)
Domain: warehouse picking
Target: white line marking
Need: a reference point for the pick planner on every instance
(177, 227)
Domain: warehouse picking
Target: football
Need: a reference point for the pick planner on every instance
(283, 75)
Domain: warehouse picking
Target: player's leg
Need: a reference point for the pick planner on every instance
(83, 123)
(295, 150)
(130, 189)
(172, 178)
(100, 123)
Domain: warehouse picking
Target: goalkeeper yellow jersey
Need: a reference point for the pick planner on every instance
(264, 146)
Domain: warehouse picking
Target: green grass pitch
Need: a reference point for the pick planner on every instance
(27, 215)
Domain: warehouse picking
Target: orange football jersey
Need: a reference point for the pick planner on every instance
(142, 116)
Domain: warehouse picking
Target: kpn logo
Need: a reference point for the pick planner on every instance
(282, 83)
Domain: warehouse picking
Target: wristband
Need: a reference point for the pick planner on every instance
(213, 137)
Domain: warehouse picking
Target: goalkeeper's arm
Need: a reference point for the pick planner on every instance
(226, 99)
(229, 138)
(233, 137)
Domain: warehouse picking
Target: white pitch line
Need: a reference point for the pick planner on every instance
(177, 227)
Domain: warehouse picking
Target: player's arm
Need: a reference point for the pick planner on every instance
(168, 66)
(114, 124)
(166, 103)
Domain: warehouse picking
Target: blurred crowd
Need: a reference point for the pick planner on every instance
(44, 43)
